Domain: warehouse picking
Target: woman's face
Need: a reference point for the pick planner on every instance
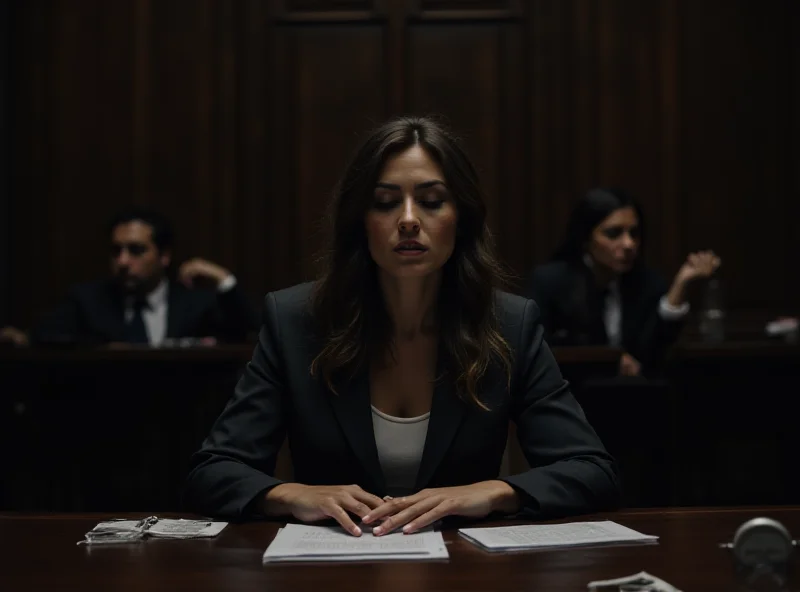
(614, 243)
(411, 225)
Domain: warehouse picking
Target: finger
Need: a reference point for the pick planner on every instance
(351, 504)
(373, 501)
(400, 519)
(437, 513)
(336, 512)
(389, 508)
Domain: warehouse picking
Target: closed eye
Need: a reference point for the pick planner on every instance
(385, 206)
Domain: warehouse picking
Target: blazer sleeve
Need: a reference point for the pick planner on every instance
(572, 473)
(235, 463)
(656, 334)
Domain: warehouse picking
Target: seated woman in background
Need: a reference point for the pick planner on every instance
(397, 373)
(597, 290)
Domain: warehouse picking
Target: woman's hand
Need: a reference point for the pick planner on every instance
(698, 265)
(429, 505)
(311, 503)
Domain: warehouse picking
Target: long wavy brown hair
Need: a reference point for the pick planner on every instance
(348, 304)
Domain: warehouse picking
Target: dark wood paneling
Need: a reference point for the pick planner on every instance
(74, 104)
(236, 118)
(468, 74)
(604, 111)
(322, 73)
(467, 9)
(328, 10)
(6, 12)
(737, 145)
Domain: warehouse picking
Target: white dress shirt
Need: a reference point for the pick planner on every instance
(155, 313)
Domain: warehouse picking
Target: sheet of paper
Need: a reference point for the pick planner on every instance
(298, 542)
(185, 529)
(541, 536)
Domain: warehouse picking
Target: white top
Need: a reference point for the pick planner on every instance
(154, 315)
(400, 442)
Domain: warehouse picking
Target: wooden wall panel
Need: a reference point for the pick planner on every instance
(236, 118)
(74, 105)
(464, 73)
(736, 143)
(603, 111)
(6, 117)
(324, 73)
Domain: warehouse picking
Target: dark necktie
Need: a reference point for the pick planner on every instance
(135, 331)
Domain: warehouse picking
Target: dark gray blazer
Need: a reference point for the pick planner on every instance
(331, 437)
(93, 313)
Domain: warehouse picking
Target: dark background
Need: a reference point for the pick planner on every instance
(236, 118)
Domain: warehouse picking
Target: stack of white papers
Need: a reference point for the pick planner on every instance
(297, 542)
(553, 536)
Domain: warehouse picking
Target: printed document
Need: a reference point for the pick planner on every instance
(552, 536)
(297, 542)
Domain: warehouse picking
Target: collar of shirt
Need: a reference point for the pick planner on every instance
(156, 298)
(612, 310)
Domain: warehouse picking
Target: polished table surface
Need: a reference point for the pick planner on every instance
(39, 552)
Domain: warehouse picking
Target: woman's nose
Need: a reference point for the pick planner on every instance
(628, 242)
(409, 222)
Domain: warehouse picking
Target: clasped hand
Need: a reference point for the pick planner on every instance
(411, 513)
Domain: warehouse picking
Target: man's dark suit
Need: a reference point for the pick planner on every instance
(93, 313)
(571, 310)
(331, 436)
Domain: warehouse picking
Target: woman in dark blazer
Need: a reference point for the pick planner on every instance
(396, 374)
(597, 290)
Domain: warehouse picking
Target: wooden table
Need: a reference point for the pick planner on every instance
(39, 553)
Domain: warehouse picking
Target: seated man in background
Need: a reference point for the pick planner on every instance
(140, 303)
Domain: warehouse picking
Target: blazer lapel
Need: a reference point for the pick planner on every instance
(447, 413)
(115, 311)
(353, 410)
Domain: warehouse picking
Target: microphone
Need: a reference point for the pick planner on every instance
(762, 545)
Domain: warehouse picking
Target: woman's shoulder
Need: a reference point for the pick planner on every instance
(292, 304)
(512, 312)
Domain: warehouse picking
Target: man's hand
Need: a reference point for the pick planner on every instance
(312, 503)
(13, 335)
(200, 268)
(429, 505)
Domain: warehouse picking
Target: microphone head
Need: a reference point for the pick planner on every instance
(762, 542)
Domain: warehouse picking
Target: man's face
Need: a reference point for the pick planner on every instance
(136, 263)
